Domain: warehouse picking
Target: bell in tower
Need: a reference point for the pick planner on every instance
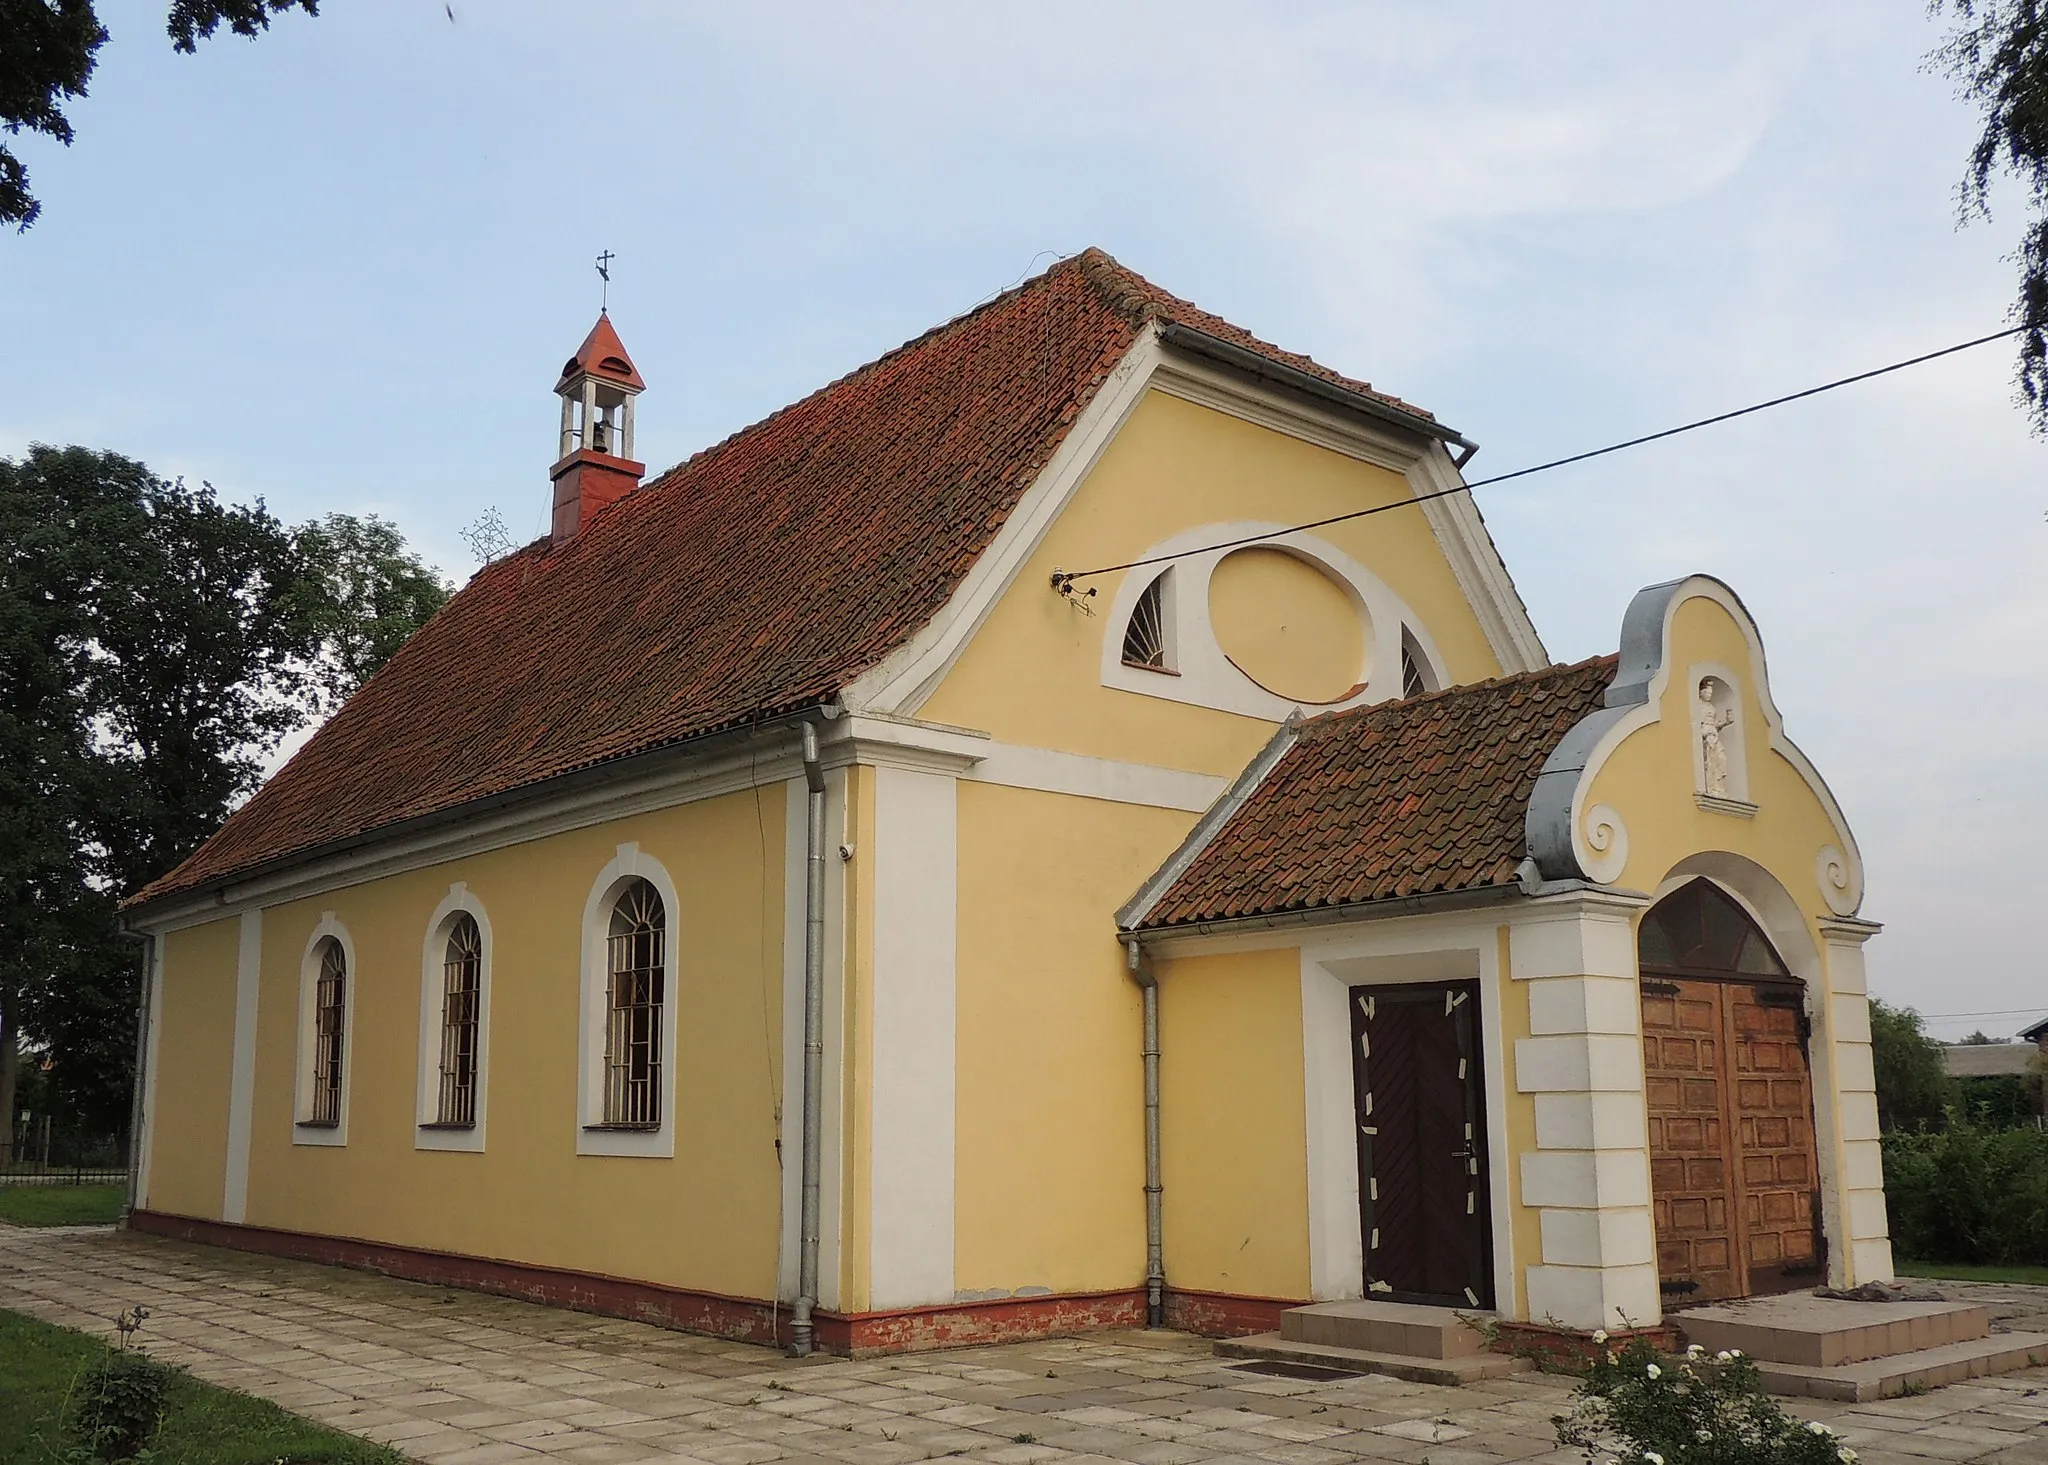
(595, 465)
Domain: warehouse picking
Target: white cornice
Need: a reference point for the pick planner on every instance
(1475, 561)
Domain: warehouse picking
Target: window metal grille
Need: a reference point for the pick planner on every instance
(461, 999)
(632, 1036)
(1145, 636)
(330, 997)
(1412, 683)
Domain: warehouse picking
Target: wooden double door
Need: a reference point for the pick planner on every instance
(1734, 1171)
(1420, 1100)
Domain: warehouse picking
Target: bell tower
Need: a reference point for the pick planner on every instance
(595, 465)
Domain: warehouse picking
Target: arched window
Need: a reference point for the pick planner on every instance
(1699, 928)
(1145, 635)
(461, 1017)
(634, 969)
(1416, 675)
(330, 1012)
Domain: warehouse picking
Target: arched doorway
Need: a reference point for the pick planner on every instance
(1734, 1172)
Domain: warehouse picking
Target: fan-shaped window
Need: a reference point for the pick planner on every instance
(461, 1014)
(1699, 928)
(1145, 634)
(330, 1010)
(634, 971)
(1417, 677)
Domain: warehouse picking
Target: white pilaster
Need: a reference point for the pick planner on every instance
(915, 939)
(1589, 1175)
(1866, 1255)
(151, 1048)
(234, 1205)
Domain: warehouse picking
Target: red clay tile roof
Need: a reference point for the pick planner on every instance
(1406, 798)
(756, 579)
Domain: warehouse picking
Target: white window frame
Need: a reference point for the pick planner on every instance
(631, 863)
(428, 1132)
(304, 1131)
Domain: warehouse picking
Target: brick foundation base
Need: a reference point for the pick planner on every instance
(746, 1319)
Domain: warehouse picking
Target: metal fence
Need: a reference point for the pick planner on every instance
(47, 1153)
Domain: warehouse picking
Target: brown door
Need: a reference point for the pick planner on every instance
(1421, 1107)
(1733, 1170)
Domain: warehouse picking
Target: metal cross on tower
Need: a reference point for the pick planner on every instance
(604, 273)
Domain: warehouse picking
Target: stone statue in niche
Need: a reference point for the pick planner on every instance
(1713, 752)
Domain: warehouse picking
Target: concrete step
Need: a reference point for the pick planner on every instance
(1461, 1369)
(1923, 1368)
(1399, 1328)
(1824, 1332)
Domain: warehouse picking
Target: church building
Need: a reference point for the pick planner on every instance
(1069, 825)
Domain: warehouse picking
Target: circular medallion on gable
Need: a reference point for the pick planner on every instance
(1289, 625)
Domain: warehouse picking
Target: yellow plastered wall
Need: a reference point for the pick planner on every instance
(195, 1044)
(1649, 778)
(1313, 650)
(1049, 1169)
(1032, 673)
(1233, 1126)
(1050, 1117)
(705, 1220)
(1525, 1222)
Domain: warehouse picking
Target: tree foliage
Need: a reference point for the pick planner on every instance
(1969, 1194)
(1998, 55)
(365, 594)
(48, 49)
(1913, 1086)
(155, 646)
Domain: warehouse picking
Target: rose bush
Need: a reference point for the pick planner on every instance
(1636, 1407)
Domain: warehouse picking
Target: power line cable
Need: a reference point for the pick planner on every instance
(1064, 579)
(1996, 1012)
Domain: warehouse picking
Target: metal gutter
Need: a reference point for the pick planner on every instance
(1229, 353)
(1477, 898)
(1155, 1211)
(802, 1337)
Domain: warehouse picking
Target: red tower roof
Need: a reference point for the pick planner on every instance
(602, 355)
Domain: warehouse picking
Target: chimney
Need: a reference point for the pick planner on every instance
(595, 466)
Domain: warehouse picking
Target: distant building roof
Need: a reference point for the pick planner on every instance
(1982, 1060)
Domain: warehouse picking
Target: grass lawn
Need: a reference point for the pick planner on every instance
(202, 1425)
(61, 1205)
(1961, 1272)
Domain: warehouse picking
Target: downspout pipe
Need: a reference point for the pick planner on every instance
(1155, 1218)
(803, 1336)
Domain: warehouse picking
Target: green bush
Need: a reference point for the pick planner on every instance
(119, 1404)
(1638, 1408)
(1971, 1195)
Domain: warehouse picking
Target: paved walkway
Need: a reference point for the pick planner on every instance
(454, 1378)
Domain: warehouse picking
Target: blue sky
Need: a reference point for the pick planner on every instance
(339, 267)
